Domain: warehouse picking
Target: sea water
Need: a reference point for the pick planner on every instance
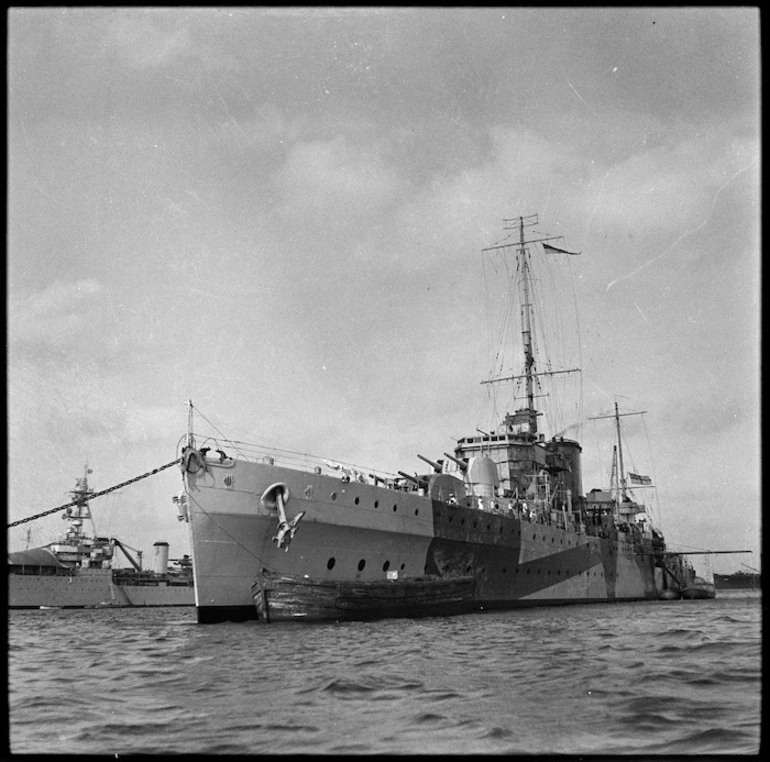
(680, 677)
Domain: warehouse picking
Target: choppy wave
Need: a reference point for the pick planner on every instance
(682, 677)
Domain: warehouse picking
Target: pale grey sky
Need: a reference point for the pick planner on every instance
(279, 214)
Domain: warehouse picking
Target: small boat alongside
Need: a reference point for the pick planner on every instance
(284, 598)
(680, 580)
(699, 589)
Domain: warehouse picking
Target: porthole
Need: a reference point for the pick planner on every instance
(376, 503)
(228, 480)
(361, 564)
(504, 570)
(386, 566)
(334, 495)
(395, 508)
(357, 500)
(416, 511)
(330, 563)
(462, 522)
(402, 567)
(475, 524)
(450, 519)
(489, 526)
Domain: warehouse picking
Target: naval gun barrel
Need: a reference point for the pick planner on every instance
(436, 466)
(462, 463)
(421, 483)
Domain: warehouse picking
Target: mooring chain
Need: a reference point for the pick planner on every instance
(96, 494)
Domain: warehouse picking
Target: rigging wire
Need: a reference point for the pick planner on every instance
(599, 452)
(551, 334)
(498, 348)
(214, 521)
(580, 352)
(560, 412)
(654, 476)
(95, 494)
(253, 451)
(218, 430)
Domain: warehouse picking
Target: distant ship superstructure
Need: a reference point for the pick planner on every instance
(77, 571)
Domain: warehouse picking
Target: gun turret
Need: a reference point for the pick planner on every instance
(435, 466)
(462, 463)
(421, 483)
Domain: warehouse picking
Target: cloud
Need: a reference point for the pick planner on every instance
(146, 39)
(55, 317)
(334, 179)
(670, 188)
(264, 135)
(462, 212)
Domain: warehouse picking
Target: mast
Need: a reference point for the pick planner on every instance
(614, 489)
(528, 414)
(620, 454)
(619, 446)
(80, 510)
(527, 320)
(190, 438)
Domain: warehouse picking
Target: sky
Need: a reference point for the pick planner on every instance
(279, 214)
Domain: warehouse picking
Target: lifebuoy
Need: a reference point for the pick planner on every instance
(189, 454)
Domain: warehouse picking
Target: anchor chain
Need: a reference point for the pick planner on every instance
(96, 494)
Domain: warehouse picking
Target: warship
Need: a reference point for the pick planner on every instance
(78, 570)
(740, 580)
(506, 507)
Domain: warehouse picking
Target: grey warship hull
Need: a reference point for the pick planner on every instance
(94, 588)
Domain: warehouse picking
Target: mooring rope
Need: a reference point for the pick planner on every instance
(96, 494)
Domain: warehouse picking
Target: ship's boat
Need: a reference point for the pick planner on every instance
(699, 589)
(282, 598)
(506, 507)
(678, 574)
(78, 570)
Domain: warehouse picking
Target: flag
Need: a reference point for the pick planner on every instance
(553, 250)
(639, 479)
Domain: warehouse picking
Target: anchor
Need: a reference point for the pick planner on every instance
(287, 528)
